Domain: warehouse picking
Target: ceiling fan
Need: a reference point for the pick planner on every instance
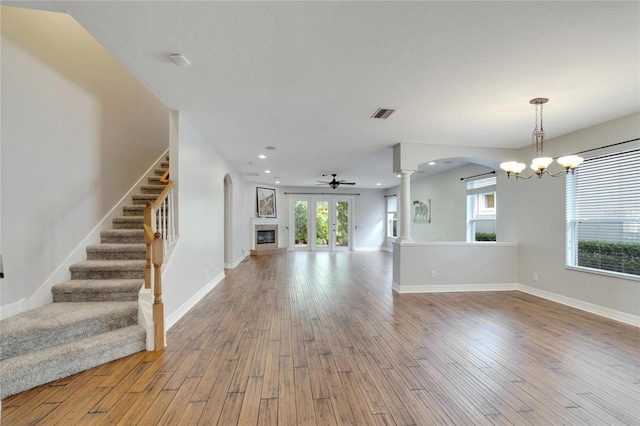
(335, 183)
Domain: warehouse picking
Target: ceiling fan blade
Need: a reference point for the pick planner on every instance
(347, 183)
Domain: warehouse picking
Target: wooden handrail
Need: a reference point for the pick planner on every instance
(162, 195)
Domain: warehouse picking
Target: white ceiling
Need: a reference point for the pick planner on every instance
(305, 77)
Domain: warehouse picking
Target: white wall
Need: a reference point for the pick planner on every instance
(77, 132)
(454, 266)
(369, 212)
(448, 195)
(532, 213)
(197, 262)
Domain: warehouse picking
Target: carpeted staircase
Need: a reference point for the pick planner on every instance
(94, 316)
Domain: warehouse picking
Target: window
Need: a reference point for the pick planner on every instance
(603, 214)
(392, 216)
(481, 209)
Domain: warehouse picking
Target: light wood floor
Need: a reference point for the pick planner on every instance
(321, 339)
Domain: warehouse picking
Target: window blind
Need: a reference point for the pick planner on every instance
(603, 213)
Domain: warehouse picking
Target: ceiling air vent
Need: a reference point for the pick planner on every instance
(382, 113)
(251, 174)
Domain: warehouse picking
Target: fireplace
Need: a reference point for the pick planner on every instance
(266, 239)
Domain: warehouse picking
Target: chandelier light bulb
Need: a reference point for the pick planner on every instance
(570, 161)
(541, 163)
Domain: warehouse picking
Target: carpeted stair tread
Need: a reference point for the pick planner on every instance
(43, 366)
(60, 323)
(128, 222)
(97, 290)
(113, 251)
(143, 198)
(152, 189)
(107, 269)
(122, 236)
(154, 180)
(160, 172)
(133, 210)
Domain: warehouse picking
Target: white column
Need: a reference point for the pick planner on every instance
(405, 206)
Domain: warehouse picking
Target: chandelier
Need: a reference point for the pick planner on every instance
(540, 163)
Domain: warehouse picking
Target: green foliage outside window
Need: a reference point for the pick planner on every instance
(301, 218)
(322, 223)
(485, 236)
(615, 257)
(342, 226)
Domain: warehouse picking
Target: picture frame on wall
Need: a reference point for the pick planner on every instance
(422, 211)
(266, 202)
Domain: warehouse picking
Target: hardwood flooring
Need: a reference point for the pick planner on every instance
(320, 338)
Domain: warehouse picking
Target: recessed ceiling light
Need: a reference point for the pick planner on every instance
(262, 156)
(431, 163)
(277, 181)
(270, 148)
(378, 184)
(398, 175)
(267, 171)
(180, 60)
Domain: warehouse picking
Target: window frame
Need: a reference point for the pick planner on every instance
(477, 191)
(573, 197)
(392, 217)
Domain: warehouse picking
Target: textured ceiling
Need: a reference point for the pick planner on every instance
(305, 77)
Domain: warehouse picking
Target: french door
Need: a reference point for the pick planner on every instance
(321, 223)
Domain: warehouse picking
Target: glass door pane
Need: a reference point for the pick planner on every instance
(322, 224)
(301, 224)
(341, 226)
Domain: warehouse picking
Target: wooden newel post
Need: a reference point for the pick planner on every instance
(158, 307)
(148, 239)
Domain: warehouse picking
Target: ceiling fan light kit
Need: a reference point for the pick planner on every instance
(335, 183)
(540, 163)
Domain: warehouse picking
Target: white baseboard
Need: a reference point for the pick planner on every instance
(583, 306)
(367, 248)
(12, 309)
(175, 316)
(237, 262)
(451, 288)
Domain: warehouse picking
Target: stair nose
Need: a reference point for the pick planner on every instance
(152, 189)
(133, 210)
(160, 172)
(117, 252)
(97, 290)
(122, 236)
(60, 323)
(128, 222)
(143, 199)
(41, 366)
(108, 269)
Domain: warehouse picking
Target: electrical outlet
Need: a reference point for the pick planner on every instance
(535, 276)
(433, 273)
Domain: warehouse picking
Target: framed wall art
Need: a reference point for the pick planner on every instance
(422, 211)
(266, 202)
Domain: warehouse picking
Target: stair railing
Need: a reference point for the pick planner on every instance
(159, 237)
